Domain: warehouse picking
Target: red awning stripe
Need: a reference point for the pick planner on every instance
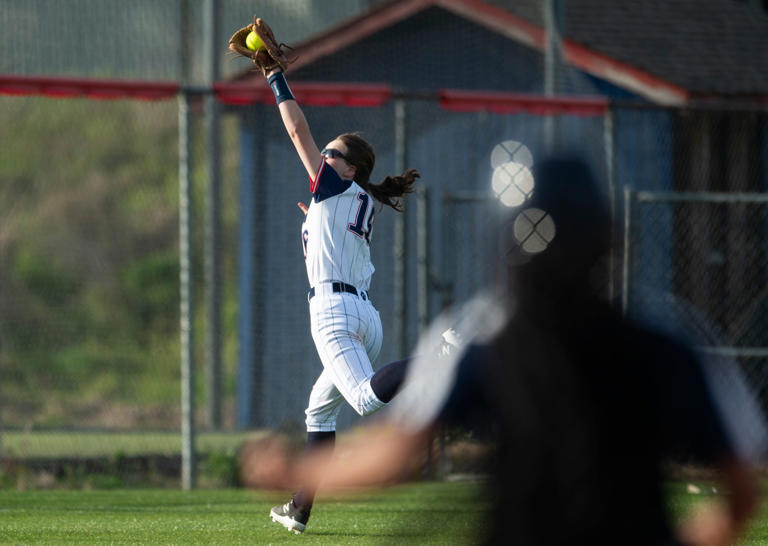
(90, 88)
(514, 103)
(306, 93)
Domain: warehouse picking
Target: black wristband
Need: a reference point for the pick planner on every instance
(280, 87)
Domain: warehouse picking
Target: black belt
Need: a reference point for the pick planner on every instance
(340, 287)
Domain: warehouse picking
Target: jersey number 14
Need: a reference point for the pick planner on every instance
(364, 217)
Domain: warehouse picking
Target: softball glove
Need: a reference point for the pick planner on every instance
(267, 57)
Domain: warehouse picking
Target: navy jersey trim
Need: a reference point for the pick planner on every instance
(313, 181)
(328, 183)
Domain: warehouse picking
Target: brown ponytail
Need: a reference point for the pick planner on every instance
(393, 186)
(361, 155)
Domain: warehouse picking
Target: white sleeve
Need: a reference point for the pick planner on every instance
(435, 361)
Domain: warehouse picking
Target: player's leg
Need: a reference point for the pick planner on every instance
(387, 380)
(294, 514)
(322, 412)
(324, 405)
(348, 336)
(346, 339)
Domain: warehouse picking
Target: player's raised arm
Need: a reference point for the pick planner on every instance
(257, 42)
(295, 123)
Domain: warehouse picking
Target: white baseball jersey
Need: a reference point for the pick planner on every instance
(346, 328)
(337, 230)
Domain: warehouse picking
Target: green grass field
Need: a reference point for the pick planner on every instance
(415, 514)
(424, 513)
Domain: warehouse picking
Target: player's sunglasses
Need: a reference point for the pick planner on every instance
(330, 152)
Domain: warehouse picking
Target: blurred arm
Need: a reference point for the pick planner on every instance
(721, 523)
(378, 455)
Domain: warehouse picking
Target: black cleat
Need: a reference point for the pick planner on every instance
(290, 517)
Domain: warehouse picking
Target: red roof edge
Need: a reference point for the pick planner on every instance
(624, 75)
(58, 87)
(350, 31)
(620, 73)
(500, 21)
(306, 93)
(516, 103)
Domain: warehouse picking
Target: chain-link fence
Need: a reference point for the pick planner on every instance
(698, 261)
(89, 239)
(451, 244)
(144, 39)
(695, 234)
(90, 262)
(90, 245)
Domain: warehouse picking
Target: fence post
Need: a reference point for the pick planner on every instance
(399, 235)
(185, 282)
(249, 356)
(186, 306)
(422, 259)
(554, 11)
(212, 223)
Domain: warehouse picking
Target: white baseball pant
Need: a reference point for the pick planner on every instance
(347, 332)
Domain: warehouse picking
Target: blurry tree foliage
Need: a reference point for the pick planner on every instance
(89, 257)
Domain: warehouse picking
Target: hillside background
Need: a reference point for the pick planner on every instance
(89, 250)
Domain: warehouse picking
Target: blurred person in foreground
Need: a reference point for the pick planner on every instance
(586, 407)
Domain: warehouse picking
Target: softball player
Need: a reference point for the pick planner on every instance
(336, 236)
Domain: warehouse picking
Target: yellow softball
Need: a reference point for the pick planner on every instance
(253, 42)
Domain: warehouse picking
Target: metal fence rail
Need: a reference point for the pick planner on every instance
(700, 259)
